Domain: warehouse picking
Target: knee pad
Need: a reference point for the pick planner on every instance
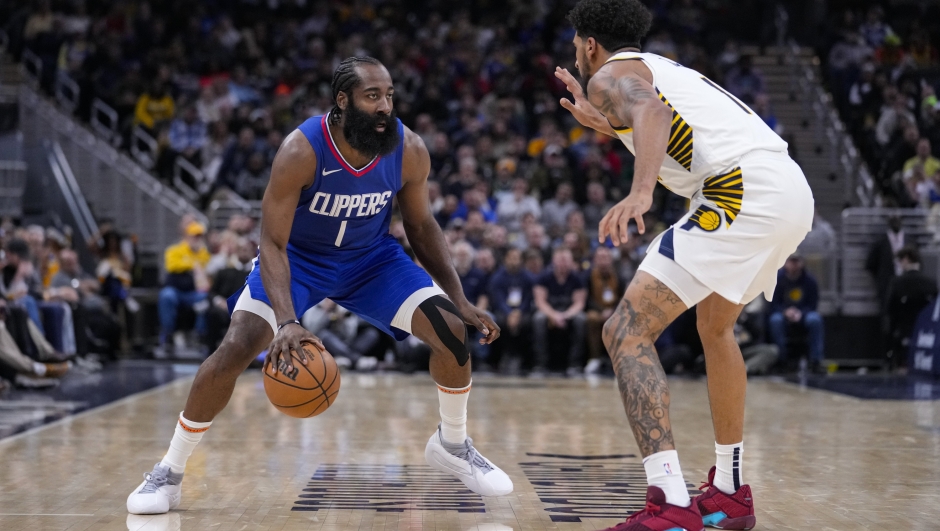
(432, 310)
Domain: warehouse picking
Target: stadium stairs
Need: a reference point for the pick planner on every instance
(70, 174)
(805, 128)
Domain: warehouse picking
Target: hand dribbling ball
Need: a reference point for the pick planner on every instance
(304, 390)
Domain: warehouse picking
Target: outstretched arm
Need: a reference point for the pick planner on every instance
(581, 108)
(293, 169)
(426, 237)
(630, 100)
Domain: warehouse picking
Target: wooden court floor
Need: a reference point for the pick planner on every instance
(816, 460)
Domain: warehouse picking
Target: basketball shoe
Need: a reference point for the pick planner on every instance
(466, 464)
(661, 516)
(159, 493)
(724, 511)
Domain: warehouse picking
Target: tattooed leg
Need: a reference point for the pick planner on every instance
(646, 309)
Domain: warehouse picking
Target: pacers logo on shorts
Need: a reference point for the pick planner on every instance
(704, 218)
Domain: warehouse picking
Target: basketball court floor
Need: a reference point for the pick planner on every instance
(817, 460)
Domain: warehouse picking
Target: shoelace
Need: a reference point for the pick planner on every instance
(152, 483)
(650, 510)
(470, 454)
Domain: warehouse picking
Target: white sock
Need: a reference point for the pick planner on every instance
(453, 413)
(39, 369)
(728, 467)
(185, 438)
(662, 470)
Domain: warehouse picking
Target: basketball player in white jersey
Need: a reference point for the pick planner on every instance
(750, 208)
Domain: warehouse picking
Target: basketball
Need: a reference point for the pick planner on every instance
(306, 390)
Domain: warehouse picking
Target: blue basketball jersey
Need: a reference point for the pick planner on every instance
(345, 208)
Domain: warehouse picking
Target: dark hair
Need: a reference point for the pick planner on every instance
(910, 253)
(345, 79)
(19, 248)
(614, 24)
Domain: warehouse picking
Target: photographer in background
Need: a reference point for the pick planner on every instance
(907, 295)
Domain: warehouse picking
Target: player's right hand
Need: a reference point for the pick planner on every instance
(290, 337)
(617, 218)
(581, 109)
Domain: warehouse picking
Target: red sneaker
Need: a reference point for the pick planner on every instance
(724, 511)
(661, 516)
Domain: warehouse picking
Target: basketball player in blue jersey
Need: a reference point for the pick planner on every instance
(750, 208)
(325, 218)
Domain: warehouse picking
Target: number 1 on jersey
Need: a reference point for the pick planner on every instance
(342, 231)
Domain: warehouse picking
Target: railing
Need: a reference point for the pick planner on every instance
(108, 128)
(32, 68)
(74, 199)
(70, 193)
(844, 157)
(144, 147)
(862, 227)
(115, 185)
(105, 122)
(226, 204)
(12, 184)
(184, 173)
(66, 92)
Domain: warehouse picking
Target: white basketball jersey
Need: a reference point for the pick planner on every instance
(711, 129)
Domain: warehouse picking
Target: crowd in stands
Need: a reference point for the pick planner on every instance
(883, 69)
(54, 315)
(517, 186)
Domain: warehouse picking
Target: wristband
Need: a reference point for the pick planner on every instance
(285, 323)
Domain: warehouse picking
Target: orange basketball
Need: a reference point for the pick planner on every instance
(306, 390)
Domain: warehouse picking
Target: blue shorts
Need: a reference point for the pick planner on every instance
(380, 284)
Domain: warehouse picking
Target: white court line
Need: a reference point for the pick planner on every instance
(103, 407)
(31, 514)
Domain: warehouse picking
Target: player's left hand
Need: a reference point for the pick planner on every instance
(481, 320)
(615, 221)
(580, 108)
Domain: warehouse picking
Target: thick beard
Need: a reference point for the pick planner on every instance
(359, 130)
(585, 79)
(582, 73)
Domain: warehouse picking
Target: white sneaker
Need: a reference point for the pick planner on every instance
(467, 465)
(159, 493)
(367, 363)
(593, 366)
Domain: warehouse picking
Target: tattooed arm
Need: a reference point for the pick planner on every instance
(626, 98)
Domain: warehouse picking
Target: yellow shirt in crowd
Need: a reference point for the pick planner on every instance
(181, 258)
(151, 110)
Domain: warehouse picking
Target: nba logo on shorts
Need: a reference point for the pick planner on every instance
(668, 468)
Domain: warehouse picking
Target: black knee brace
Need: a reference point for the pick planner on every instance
(432, 310)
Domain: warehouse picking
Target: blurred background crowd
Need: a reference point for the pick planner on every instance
(516, 184)
(883, 73)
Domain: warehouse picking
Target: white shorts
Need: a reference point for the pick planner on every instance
(401, 321)
(739, 231)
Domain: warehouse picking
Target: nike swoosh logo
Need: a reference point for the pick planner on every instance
(325, 173)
